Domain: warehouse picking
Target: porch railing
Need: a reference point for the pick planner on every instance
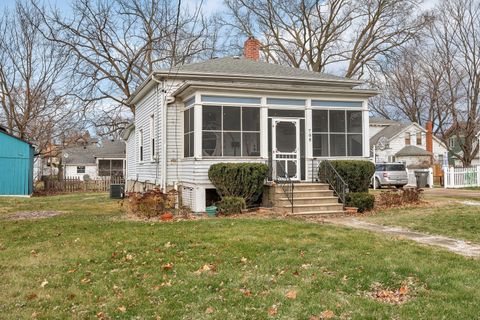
(282, 179)
(328, 174)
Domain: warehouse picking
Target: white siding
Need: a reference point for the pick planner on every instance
(131, 172)
(71, 171)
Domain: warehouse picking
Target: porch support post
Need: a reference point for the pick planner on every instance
(264, 128)
(308, 139)
(366, 130)
(197, 127)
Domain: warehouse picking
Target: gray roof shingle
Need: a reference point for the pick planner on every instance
(388, 132)
(412, 151)
(247, 67)
(88, 154)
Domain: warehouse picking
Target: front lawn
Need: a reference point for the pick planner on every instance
(91, 263)
(454, 220)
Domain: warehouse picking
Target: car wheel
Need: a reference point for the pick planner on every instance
(377, 184)
(400, 186)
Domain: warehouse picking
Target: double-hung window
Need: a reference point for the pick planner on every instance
(188, 136)
(140, 145)
(229, 131)
(337, 133)
(152, 137)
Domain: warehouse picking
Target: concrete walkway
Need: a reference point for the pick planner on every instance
(461, 247)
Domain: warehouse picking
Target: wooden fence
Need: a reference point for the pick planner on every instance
(77, 185)
(462, 177)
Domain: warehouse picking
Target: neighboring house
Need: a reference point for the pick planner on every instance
(405, 142)
(454, 147)
(47, 162)
(16, 165)
(237, 109)
(95, 161)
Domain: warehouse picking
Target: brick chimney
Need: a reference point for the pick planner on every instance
(429, 128)
(251, 49)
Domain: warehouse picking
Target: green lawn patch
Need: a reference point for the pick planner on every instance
(454, 220)
(91, 263)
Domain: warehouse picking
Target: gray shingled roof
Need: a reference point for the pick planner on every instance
(87, 154)
(247, 67)
(380, 120)
(388, 132)
(412, 151)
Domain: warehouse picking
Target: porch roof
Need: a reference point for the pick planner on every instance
(301, 89)
(412, 151)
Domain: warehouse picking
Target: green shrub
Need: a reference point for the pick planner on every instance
(239, 180)
(356, 173)
(362, 200)
(231, 205)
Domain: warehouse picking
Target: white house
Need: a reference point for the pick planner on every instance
(237, 109)
(95, 161)
(405, 142)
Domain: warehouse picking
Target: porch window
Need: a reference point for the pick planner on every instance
(188, 137)
(230, 131)
(337, 133)
(110, 168)
(81, 169)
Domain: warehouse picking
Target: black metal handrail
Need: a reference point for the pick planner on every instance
(328, 174)
(285, 182)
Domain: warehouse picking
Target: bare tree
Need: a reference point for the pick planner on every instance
(456, 40)
(34, 80)
(317, 34)
(119, 42)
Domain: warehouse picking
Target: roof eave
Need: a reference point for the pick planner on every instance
(187, 88)
(149, 82)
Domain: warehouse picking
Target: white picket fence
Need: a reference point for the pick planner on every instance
(461, 177)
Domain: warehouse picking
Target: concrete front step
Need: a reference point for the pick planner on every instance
(305, 187)
(328, 213)
(308, 200)
(305, 208)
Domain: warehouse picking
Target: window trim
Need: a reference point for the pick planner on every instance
(408, 138)
(191, 132)
(222, 131)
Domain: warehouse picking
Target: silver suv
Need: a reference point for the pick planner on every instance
(390, 174)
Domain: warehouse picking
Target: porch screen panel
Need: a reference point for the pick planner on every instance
(337, 133)
(229, 131)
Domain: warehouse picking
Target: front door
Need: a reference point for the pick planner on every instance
(286, 148)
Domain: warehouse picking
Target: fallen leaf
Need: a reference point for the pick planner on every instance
(291, 294)
(327, 314)
(85, 280)
(34, 253)
(44, 283)
(71, 270)
(206, 268)
(70, 296)
(168, 266)
(101, 315)
(210, 310)
(35, 314)
(272, 311)
(243, 260)
(32, 296)
(403, 290)
(247, 293)
(168, 245)
(128, 257)
(122, 309)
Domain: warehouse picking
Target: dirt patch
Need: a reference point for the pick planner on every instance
(26, 215)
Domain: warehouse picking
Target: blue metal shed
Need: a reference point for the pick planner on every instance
(16, 165)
